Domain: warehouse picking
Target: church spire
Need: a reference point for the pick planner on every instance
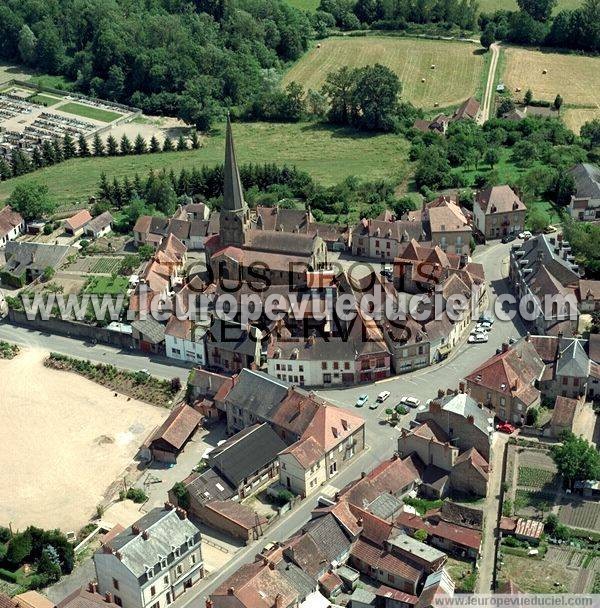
(233, 195)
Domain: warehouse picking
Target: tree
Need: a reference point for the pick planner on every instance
(339, 88)
(194, 140)
(27, 45)
(421, 535)
(505, 106)
(112, 147)
(82, 146)
(69, 149)
(104, 192)
(154, 145)
(537, 219)
(31, 200)
(49, 273)
(139, 145)
(50, 52)
(540, 10)
(115, 83)
(181, 144)
(168, 145)
(316, 103)
(491, 157)
(375, 98)
(49, 564)
(98, 145)
(182, 495)
(558, 101)
(161, 195)
(488, 36)
(591, 131)
(528, 97)
(126, 147)
(145, 252)
(18, 549)
(576, 459)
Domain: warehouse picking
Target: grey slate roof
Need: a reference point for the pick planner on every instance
(231, 337)
(166, 530)
(246, 453)
(573, 360)
(34, 256)
(233, 195)
(100, 222)
(328, 536)
(587, 180)
(210, 485)
(257, 392)
(465, 406)
(385, 506)
(150, 329)
(554, 262)
(301, 581)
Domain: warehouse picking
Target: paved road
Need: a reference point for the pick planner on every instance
(488, 95)
(381, 438)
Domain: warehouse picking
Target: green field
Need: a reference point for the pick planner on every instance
(328, 154)
(457, 74)
(106, 285)
(489, 6)
(44, 100)
(89, 112)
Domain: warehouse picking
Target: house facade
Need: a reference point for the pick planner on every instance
(498, 212)
(151, 563)
(585, 203)
(184, 341)
(11, 225)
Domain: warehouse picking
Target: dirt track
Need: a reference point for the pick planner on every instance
(63, 441)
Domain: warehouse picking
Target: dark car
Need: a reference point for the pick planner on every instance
(507, 238)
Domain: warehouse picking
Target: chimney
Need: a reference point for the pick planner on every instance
(461, 387)
(119, 555)
(108, 597)
(440, 393)
(181, 513)
(145, 535)
(208, 603)
(230, 590)
(135, 529)
(362, 474)
(470, 419)
(395, 454)
(528, 337)
(93, 587)
(169, 506)
(435, 406)
(504, 347)
(359, 521)
(449, 391)
(559, 335)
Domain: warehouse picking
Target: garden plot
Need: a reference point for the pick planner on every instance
(96, 265)
(537, 575)
(583, 514)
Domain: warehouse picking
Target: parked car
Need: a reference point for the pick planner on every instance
(481, 328)
(387, 272)
(506, 427)
(478, 338)
(550, 229)
(507, 238)
(486, 317)
(410, 401)
(362, 399)
(382, 396)
(525, 235)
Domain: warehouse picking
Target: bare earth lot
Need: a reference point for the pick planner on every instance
(576, 78)
(64, 440)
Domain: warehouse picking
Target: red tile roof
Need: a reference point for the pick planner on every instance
(380, 559)
(9, 220)
(80, 219)
(564, 411)
(331, 581)
(332, 425)
(306, 451)
(177, 428)
(464, 537)
(394, 594)
(374, 529)
(242, 515)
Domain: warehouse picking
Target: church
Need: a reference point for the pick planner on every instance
(245, 252)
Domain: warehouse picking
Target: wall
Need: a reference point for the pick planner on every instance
(73, 329)
(430, 452)
(302, 481)
(109, 567)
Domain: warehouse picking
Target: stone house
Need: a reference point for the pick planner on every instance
(508, 382)
(151, 563)
(585, 203)
(184, 340)
(498, 212)
(230, 347)
(76, 224)
(589, 295)
(11, 225)
(99, 226)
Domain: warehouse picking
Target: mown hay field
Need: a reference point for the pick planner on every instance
(575, 117)
(576, 78)
(457, 74)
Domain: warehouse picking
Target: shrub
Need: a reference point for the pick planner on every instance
(19, 548)
(4, 534)
(400, 409)
(137, 495)
(284, 496)
(181, 493)
(421, 535)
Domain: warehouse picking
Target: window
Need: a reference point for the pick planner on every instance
(326, 378)
(336, 365)
(152, 591)
(301, 368)
(169, 600)
(575, 381)
(155, 605)
(115, 583)
(192, 559)
(323, 364)
(118, 601)
(391, 578)
(565, 380)
(347, 365)
(166, 580)
(179, 570)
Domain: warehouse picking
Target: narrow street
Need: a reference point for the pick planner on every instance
(488, 95)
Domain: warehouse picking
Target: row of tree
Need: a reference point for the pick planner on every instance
(56, 151)
(534, 24)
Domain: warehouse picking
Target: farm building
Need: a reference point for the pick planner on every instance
(100, 225)
(75, 224)
(11, 225)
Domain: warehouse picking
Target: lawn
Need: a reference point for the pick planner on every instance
(45, 100)
(457, 75)
(106, 285)
(306, 145)
(462, 573)
(89, 112)
(489, 6)
(575, 77)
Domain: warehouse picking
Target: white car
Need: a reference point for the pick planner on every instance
(410, 401)
(382, 396)
(478, 338)
(481, 328)
(525, 234)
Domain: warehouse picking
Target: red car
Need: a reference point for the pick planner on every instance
(506, 427)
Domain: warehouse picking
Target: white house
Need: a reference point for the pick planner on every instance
(151, 563)
(11, 225)
(184, 341)
(100, 225)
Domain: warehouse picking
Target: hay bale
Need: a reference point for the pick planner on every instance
(422, 79)
(436, 104)
(518, 89)
(433, 66)
(544, 71)
(319, 45)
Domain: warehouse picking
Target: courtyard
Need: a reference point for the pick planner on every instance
(62, 449)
